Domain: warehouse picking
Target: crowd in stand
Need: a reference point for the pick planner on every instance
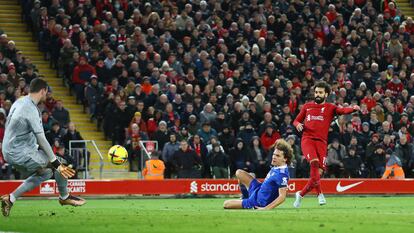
(16, 73)
(217, 82)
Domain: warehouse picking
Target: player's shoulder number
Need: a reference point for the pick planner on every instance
(284, 181)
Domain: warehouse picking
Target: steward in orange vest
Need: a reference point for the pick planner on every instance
(393, 168)
(154, 168)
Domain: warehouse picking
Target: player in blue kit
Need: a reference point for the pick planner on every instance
(272, 192)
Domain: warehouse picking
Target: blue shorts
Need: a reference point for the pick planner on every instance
(251, 202)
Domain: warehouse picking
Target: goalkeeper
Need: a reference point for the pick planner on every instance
(23, 135)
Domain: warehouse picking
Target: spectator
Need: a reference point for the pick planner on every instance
(240, 158)
(259, 157)
(219, 162)
(61, 114)
(214, 140)
(353, 163)
(247, 133)
(404, 152)
(183, 134)
(208, 114)
(50, 101)
(161, 135)
(378, 161)
(47, 121)
(170, 116)
(269, 137)
(132, 144)
(121, 124)
(197, 144)
(226, 138)
(187, 163)
(56, 133)
(299, 165)
(81, 75)
(167, 155)
(78, 149)
(29, 75)
(94, 95)
(334, 159)
(137, 119)
(193, 125)
(64, 157)
(206, 132)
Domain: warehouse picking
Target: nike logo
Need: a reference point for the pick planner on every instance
(340, 188)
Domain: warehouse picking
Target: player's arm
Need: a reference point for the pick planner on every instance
(299, 119)
(66, 172)
(346, 110)
(37, 128)
(279, 200)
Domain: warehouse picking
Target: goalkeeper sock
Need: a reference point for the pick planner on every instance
(314, 180)
(12, 198)
(245, 193)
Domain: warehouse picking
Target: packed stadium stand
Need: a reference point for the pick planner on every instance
(228, 77)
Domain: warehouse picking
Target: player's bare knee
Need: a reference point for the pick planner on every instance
(226, 204)
(240, 173)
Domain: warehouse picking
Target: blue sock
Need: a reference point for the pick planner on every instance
(245, 193)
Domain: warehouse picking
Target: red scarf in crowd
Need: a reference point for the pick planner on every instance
(197, 149)
(135, 138)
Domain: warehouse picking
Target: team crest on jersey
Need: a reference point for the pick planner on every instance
(322, 109)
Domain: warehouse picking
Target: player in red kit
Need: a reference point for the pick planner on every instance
(314, 120)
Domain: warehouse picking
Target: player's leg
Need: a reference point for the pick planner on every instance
(233, 204)
(29, 184)
(310, 152)
(244, 177)
(244, 182)
(64, 197)
(322, 167)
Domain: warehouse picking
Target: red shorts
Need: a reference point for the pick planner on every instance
(314, 149)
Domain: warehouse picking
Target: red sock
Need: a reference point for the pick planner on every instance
(317, 184)
(314, 180)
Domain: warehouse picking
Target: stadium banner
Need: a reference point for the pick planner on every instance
(207, 186)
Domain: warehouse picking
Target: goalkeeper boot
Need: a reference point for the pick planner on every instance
(321, 199)
(73, 201)
(6, 205)
(298, 200)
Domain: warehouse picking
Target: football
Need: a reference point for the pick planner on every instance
(117, 155)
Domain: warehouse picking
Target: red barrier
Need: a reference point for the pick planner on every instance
(208, 186)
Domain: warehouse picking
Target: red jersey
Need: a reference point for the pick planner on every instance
(317, 118)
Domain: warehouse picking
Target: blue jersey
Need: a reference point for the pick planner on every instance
(262, 194)
(277, 177)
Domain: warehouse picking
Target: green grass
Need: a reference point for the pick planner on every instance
(342, 214)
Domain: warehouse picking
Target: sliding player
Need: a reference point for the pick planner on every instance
(272, 192)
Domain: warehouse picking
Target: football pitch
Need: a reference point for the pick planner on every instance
(342, 214)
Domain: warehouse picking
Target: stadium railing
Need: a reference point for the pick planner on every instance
(75, 152)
